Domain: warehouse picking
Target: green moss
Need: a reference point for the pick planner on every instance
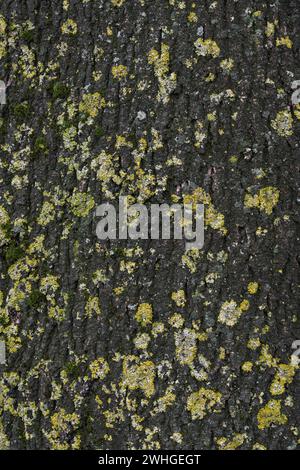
(60, 91)
(40, 145)
(27, 35)
(35, 298)
(99, 132)
(13, 252)
(21, 110)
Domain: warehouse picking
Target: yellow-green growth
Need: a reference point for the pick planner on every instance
(139, 375)
(202, 402)
(91, 104)
(179, 298)
(271, 414)
(144, 314)
(119, 72)
(283, 377)
(252, 288)
(283, 123)
(265, 200)
(81, 203)
(99, 368)
(69, 27)
(207, 47)
(225, 443)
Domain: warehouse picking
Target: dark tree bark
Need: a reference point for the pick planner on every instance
(136, 344)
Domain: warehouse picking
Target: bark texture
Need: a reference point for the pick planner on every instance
(137, 344)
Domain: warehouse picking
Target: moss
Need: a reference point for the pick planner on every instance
(27, 35)
(73, 370)
(21, 111)
(99, 132)
(202, 402)
(144, 314)
(271, 414)
(35, 298)
(13, 252)
(60, 91)
(40, 145)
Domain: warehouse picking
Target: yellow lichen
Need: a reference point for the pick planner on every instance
(207, 47)
(230, 312)
(212, 217)
(271, 414)
(247, 366)
(2, 25)
(186, 346)
(91, 104)
(144, 314)
(139, 375)
(283, 377)
(284, 41)
(99, 368)
(270, 29)
(167, 82)
(62, 435)
(252, 287)
(47, 213)
(202, 402)
(179, 298)
(119, 71)
(92, 307)
(225, 443)
(283, 123)
(81, 203)
(117, 3)
(265, 200)
(69, 27)
(192, 17)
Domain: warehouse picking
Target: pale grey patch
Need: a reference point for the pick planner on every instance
(2, 352)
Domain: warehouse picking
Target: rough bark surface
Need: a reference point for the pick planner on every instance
(137, 344)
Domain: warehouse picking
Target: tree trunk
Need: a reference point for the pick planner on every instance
(137, 344)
